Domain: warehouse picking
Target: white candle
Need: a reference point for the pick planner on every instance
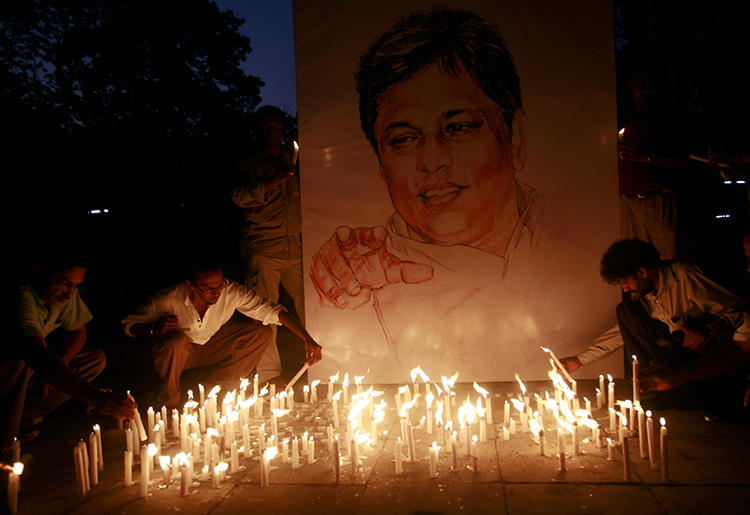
(14, 486)
(93, 452)
(506, 413)
(398, 457)
(636, 381)
(625, 459)
(454, 452)
(599, 396)
(561, 449)
(295, 453)
(612, 420)
(145, 471)
(234, 459)
(651, 442)
(512, 426)
(166, 469)
(611, 392)
(576, 444)
(311, 450)
(128, 468)
(642, 432)
(306, 394)
(541, 442)
(354, 455)
(482, 429)
(664, 451)
(412, 451)
(100, 454)
(78, 467)
(433, 459)
(150, 420)
(601, 383)
(86, 465)
(506, 434)
(336, 457)
(184, 482)
(610, 450)
(474, 455)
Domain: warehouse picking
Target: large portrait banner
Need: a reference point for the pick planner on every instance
(458, 175)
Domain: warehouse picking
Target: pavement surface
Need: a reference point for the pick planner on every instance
(708, 471)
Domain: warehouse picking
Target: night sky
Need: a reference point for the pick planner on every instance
(269, 25)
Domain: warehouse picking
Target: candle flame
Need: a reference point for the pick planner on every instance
(484, 393)
(296, 146)
(337, 395)
(621, 132)
(151, 449)
(405, 407)
(334, 378)
(663, 421)
(280, 412)
(315, 383)
(214, 391)
(418, 372)
(449, 382)
(18, 467)
(523, 387)
(345, 382)
(648, 413)
(609, 378)
(244, 382)
(164, 462)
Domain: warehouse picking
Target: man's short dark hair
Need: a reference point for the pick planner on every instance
(624, 257)
(267, 110)
(201, 264)
(460, 41)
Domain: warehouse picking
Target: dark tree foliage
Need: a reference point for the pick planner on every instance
(114, 104)
(139, 107)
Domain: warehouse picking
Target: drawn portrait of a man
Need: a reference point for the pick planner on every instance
(459, 261)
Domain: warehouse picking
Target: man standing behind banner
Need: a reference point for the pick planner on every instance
(267, 191)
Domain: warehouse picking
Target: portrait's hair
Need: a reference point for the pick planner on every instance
(459, 41)
(624, 257)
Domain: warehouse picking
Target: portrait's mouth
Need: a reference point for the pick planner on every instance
(437, 195)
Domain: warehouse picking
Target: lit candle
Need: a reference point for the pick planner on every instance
(576, 444)
(295, 453)
(433, 459)
(587, 404)
(314, 391)
(234, 459)
(642, 432)
(610, 450)
(398, 457)
(612, 420)
(184, 482)
(454, 452)
(86, 464)
(611, 392)
(78, 467)
(336, 457)
(311, 450)
(204, 473)
(506, 413)
(145, 472)
(410, 442)
(99, 453)
(512, 426)
(128, 468)
(14, 486)
(561, 449)
(354, 455)
(506, 434)
(636, 381)
(166, 469)
(150, 419)
(599, 398)
(474, 454)
(541, 442)
(651, 442)
(625, 459)
(93, 467)
(306, 394)
(664, 452)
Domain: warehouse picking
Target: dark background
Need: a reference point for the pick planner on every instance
(141, 108)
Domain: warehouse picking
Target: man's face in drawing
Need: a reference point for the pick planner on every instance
(445, 154)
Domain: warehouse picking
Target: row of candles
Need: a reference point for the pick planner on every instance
(205, 433)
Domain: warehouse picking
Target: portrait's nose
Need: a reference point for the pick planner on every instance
(434, 155)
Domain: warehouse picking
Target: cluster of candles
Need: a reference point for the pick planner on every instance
(214, 437)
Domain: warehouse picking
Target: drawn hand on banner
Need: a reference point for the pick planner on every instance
(356, 261)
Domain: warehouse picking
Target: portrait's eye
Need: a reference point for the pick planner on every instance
(402, 141)
(459, 129)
